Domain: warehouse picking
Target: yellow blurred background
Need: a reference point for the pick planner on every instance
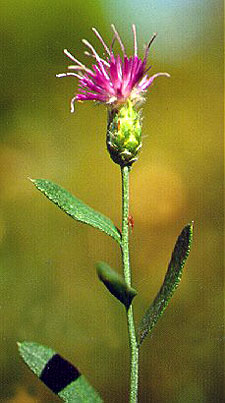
(49, 289)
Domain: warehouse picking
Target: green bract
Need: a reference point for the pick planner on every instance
(124, 134)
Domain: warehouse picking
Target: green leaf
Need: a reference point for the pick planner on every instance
(76, 209)
(171, 281)
(58, 374)
(115, 284)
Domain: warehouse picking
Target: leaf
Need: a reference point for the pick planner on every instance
(115, 284)
(58, 374)
(76, 209)
(171, 282)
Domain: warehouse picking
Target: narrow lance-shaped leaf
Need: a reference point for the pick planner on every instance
(171, 281)
(58, 374)
(75, 208)
(115, 284)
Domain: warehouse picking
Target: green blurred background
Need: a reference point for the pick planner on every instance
(49, 290)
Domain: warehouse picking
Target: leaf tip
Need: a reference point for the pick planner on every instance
(191, 224)
(21, 346)
(190, 229)
(18, 344)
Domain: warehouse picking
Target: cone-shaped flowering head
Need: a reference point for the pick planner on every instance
(112, 80)
(124, 134)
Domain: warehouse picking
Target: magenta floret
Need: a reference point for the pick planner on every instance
(115, 79)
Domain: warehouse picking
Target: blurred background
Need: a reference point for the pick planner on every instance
(49, 289)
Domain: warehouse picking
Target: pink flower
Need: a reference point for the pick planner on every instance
(112, 80)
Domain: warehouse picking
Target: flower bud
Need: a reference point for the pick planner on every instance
(124, 134)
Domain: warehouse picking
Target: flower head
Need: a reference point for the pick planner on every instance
(113, 80)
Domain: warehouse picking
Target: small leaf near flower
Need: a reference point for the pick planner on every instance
(115, 284)
(75, 208)
(59, 375)
(171, 282)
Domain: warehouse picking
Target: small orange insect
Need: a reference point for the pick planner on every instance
(131, 222)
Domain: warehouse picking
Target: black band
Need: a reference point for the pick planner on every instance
(58, 373)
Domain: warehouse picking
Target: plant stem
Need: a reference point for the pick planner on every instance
(127, 277)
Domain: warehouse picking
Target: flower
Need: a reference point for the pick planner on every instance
(113, 80)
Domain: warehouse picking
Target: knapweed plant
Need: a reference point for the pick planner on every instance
(120, 82)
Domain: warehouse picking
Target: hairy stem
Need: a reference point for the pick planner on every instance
(127, 276)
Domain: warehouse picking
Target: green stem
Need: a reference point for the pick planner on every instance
(127, 277)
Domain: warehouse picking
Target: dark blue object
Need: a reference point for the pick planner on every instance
(58, 373)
